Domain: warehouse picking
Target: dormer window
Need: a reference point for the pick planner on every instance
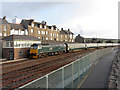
(52, 28)
(32, 25)
(40, 26)
(56, 29)
(45, 27)
(70, 36)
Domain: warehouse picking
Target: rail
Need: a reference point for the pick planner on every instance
(69, 75)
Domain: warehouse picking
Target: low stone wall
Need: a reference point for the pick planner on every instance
(114, 79)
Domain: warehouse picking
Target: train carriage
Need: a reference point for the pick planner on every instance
(91, 45)
(76, 46)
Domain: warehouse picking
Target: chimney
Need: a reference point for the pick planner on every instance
(4, 18)
(61, 29)
(68, 29)
(43, 22)
(54, 25)
(78, 34)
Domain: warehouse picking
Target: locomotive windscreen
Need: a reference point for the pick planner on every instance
(34, 46)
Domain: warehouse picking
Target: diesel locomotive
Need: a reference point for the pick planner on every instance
(39, 50)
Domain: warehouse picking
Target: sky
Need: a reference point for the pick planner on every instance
(89, 18)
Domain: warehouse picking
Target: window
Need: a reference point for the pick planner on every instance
(51, 34)
(56, 29)
(46, 38)
(46, 32)
(52, 28)
(0, 34)
(61, 36)
(39, 37)
(31, 30)
(9, 44)
(5, 28)
(57, 35)
(43, 32)
(57, 39)
(65, 36)
(38, 32)
(45, 27)
(26, 32)
(32, 25)
(20, 52)
(70, 36)
(40, 26)
(54, 35)
(43, 38)
(51, 39)
(5, 34)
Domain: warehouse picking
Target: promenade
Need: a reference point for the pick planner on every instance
(99, 76)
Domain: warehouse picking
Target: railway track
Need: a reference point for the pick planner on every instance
(20, 73)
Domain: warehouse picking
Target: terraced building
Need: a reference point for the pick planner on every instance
(38, 29)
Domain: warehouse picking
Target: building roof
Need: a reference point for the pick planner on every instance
(49, 27)
(3, 21)
(25, 23)
(20, 37)
(37, 24)
(65, 32)
(68, 31)
(16, 26)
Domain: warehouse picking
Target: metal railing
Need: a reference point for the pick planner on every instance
(69, 75)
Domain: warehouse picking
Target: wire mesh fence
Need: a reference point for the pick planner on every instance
(69, 75)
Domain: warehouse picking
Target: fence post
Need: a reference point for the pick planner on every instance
(72, 73)
(63, 76)
(47, 81)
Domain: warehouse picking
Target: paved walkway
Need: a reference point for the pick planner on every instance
(99, 77)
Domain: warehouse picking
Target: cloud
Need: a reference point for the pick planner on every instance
(90, 18)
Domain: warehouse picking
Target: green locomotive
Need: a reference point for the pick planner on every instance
(38, 50)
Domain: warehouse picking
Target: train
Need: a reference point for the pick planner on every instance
(41, 50)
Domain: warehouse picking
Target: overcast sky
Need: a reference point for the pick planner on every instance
(90, 18)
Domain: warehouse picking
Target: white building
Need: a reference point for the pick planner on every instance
(16, 20)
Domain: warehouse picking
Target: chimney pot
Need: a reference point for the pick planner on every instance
(4, 18)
